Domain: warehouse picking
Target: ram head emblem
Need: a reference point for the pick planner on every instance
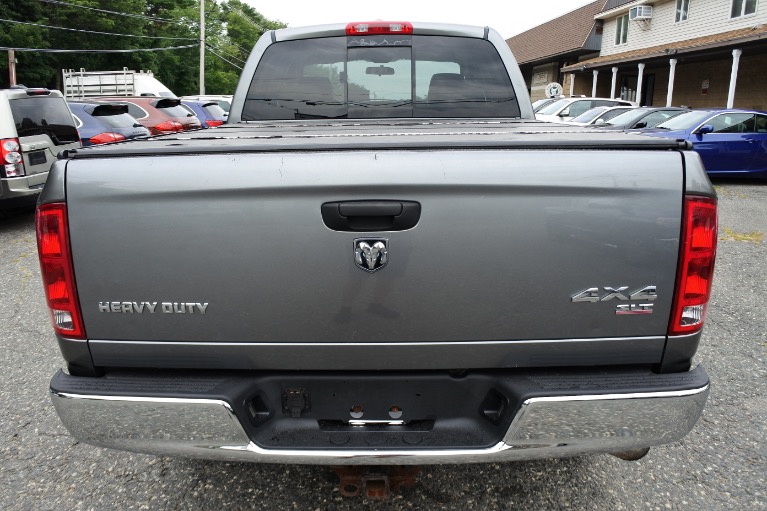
(371, 254)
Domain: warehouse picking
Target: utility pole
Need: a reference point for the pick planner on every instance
(11, 68)
(202, 47)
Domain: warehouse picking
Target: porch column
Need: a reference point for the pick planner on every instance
(671, 72)
(615, 79)
(639, 84)
(594, 84)
(733, 77)
(572, 84)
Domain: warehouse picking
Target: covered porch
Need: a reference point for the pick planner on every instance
(722, 70)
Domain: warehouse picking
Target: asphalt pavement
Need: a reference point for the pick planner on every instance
(721, 465)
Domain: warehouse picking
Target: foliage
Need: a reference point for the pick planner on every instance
(231, 29)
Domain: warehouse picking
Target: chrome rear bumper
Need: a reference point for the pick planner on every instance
(543, 427)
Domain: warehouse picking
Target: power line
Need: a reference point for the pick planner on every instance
(135, 50)
(222, 58)
(247, 18)
(126, 14)
(222, 50)
(96, 32)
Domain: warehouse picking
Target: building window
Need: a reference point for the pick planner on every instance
(682, 10)
(622, 29)
(742, 8)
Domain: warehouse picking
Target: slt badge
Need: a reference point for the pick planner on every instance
(371, 254)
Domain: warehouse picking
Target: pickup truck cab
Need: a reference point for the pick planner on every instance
(381, 258)
(35, 124)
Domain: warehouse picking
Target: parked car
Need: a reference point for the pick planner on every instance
(642, 117)
(159, 115)
(731, 142)
(102, 123)
(567, 108)
(209, 112)
(224, 100)
(598, 115)
(35, 125)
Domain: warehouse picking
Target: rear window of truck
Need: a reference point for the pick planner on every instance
(380, 76)
(44, 116)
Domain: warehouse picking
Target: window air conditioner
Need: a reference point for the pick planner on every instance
(640, 12)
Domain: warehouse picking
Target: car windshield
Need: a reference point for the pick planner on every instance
(612, 113)
(380, 76)
(627, 117)
(589, 115)
(554, 107)
(541, 103)
(685, 121)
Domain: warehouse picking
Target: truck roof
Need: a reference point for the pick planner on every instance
(419, 28)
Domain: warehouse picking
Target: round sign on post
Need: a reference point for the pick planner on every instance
(554, 89)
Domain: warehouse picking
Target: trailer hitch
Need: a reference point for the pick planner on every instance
(374, 482)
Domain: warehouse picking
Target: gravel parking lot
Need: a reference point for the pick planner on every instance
(721, 465)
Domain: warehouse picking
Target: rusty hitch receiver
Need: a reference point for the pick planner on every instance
(374, 482)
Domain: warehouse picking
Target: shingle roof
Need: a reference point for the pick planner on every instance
(689, 45)
(562, 35)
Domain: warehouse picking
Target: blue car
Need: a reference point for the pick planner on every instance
(210, 113)
(731, 142)
(102, 123)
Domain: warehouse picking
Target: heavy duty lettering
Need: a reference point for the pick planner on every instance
(151, 307)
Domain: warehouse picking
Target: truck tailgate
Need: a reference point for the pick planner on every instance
(209, 249)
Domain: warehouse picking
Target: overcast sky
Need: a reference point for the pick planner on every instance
(509, 17)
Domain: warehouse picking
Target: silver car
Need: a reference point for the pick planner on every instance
(35, 125)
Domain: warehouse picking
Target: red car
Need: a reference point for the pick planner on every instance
(159, 115)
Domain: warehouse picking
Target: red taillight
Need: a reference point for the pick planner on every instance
(168, 127)
(57, 271)
(106, 138)
(696, 265)
(213, 124)
(379, 28)
(13, 162)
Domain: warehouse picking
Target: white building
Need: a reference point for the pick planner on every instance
(698, 53)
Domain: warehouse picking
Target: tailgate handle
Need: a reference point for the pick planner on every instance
(371, 215)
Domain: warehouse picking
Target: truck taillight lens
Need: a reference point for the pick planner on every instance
(57, 271)
(13, 163)
(379, 28)
(696, 265)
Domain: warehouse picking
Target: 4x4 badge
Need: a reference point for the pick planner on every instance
(371, 254)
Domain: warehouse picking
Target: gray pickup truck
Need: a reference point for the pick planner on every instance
(382, 258)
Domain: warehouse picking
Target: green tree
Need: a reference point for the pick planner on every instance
(231, 27)
(33, 69)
